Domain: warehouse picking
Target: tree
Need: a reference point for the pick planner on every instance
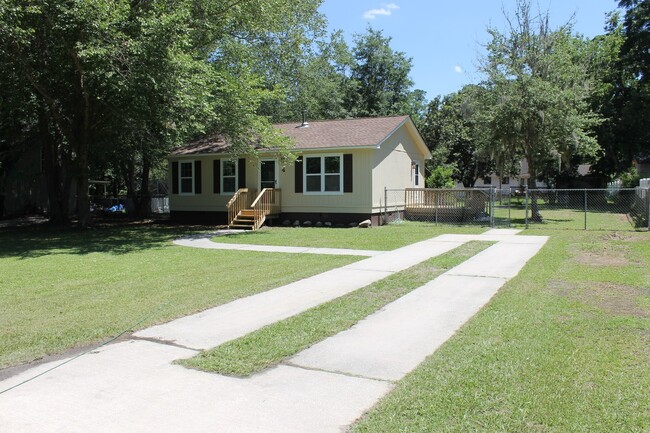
(537, 82)
(455, 133)
(115, 83)
(622, 96)
(316, 84)
(380, 83)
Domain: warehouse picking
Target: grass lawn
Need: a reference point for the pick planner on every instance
(563, 347)
(61, 288)
(606, 217)
(64, 288)
(272, 344)
(384, 238)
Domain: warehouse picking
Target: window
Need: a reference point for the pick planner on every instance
(323, 174)
(487, 181)
(416, 174)
(186, 178)
(228, 176)
(505, 180)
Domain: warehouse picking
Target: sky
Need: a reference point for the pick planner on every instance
(445, 38)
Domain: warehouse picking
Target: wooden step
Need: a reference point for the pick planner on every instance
(247, 212)
(240, 227)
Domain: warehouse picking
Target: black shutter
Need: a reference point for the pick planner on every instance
(174, 177)
(298, 176)
(241, 173)
(216, 173)
(197, 177)
(347, 172)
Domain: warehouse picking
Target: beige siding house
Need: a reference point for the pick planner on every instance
(339, 176)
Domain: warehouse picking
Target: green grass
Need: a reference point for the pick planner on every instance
(384, 238)
(554, 217)
(274, 343)
(64, 288)
(563, 347)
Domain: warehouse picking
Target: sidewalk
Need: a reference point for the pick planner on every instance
(133, 386)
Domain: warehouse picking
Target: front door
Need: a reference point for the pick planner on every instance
(268, 174)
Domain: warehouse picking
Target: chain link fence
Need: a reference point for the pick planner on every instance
(587, 209)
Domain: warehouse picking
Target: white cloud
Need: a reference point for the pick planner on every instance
(458, 69)
(386, 10)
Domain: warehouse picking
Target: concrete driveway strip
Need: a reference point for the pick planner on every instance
(134, 387)
(393, 341)
(226, 322)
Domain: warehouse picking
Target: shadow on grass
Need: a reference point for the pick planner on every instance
(118, 238)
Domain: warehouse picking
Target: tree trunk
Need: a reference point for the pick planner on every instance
(57, 183)
(535, 216)
(144, 202)
(82, 172)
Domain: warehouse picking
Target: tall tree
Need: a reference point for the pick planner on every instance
(538, 83)
(380, 82)
(120, 81)
(612, 98)
(632, 93)
(455, 132)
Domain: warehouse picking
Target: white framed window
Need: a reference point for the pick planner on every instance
(186, 177)
(416, 174)
(228, 176)
(323, 174)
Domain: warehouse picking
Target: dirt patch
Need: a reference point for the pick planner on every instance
(603, 255)
(616, 299)
(618, 236)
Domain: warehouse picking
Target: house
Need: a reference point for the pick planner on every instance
(512, 182)
(642, 165)
(339, 176)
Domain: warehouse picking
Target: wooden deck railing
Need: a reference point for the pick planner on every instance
(446, 203)
(237, 203)
(267, 202)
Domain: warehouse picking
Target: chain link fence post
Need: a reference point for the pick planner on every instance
(385, 205)
(491, 207)
(526, 207)
(647, 199)
(436, 201)
(585, 191)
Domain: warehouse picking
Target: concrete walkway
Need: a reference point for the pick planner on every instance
(133, 386)
(203, 241)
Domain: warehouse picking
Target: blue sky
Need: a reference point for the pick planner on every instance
(444, 37)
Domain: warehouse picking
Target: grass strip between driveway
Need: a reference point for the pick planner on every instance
(270, 345)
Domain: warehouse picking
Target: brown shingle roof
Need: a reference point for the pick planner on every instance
(318, 135)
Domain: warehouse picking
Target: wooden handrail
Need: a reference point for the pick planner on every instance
(238, 202)
(267, 202)
(263, 205)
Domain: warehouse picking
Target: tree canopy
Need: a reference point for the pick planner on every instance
(116, 83)
(538, 86)
(106, 88)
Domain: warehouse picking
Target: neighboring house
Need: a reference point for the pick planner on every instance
(341, 171)
(642, 164)
(514, 181)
